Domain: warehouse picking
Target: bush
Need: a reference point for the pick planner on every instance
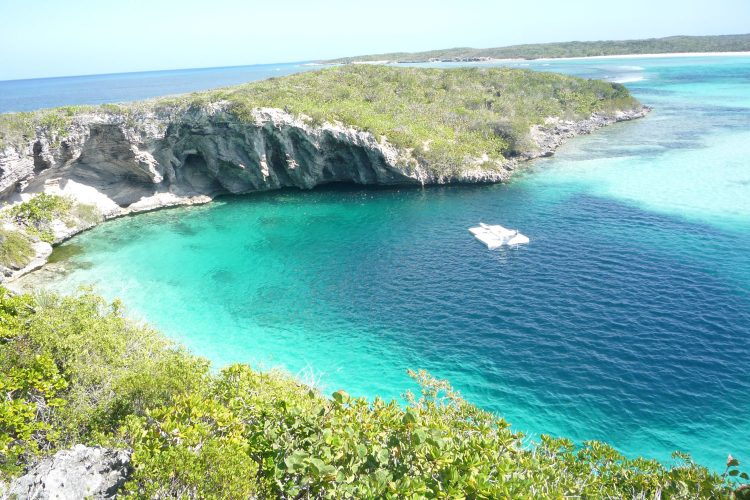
(37, 214)
(16, 250)
(111, 367)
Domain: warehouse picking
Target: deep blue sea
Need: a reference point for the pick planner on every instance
(27, 95)
(626, 318)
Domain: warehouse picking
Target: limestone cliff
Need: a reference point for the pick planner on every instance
(80, 472)
(125, 163)
(135, 161)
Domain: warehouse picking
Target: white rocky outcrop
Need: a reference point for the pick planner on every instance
(80, 472)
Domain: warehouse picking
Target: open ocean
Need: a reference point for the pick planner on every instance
(626, 319)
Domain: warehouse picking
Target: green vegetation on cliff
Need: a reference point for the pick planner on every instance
(447, 118)
(73, 370)
(34, 220)
(17, 129)
(667, 45)
(37, 214)
(15, 249)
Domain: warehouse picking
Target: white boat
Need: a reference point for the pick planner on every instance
(495, 236)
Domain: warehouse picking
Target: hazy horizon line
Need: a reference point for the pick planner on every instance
(304, 61)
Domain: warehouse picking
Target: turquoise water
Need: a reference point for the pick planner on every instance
(627, 317)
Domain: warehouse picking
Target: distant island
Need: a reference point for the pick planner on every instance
(667, 45)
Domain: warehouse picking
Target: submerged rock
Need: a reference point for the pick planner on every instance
(81, 472)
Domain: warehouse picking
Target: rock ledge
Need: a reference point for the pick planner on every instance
(81, 472)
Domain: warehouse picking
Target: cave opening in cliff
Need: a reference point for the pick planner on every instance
(196, 174)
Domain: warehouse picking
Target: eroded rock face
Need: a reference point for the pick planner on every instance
(123, 162)
(81, 472)
(199, 153)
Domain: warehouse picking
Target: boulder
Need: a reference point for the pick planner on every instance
(81, 472)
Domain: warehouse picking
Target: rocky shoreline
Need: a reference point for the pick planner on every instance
(126, 164)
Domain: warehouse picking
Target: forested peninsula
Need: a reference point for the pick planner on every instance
(667, 45)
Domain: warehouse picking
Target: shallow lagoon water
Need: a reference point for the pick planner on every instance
(626, 319)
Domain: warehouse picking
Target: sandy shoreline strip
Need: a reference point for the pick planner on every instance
(644, 56)
(619, 56)
(520, 59)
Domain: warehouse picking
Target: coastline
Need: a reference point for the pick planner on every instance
(491, 60)
(116, 160)
(646, 56)
(547, 137)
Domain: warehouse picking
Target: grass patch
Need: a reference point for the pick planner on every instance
(18, 129)
(87, 215)
(15, 249)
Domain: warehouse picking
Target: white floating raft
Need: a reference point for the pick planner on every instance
(497, 236)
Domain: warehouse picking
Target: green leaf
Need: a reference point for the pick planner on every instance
(317, 465)
(290, 462)
(341, 396)
(419, 436)
(409, 417)
(327, 470)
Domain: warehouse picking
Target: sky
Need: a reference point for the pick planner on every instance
(44, 38)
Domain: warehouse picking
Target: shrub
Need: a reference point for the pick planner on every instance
(37, 214)
(112, 367)
(30, 398)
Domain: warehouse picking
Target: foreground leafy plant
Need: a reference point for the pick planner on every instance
(111, 368)
(75, 370)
